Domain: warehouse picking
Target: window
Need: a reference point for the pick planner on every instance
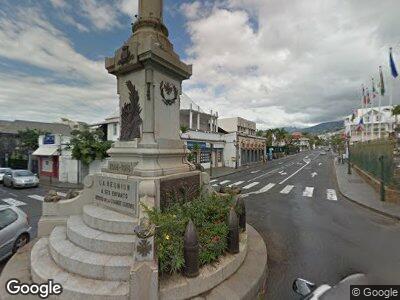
(205, 156)
(7, 217)
(115, 129)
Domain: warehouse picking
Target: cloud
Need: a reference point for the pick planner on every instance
(67, 84)
(58, 3)
(304, 61)
(102, 15)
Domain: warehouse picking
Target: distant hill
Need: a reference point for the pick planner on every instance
(320, 128)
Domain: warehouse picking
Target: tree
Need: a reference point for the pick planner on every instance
(259, 132)
(87, 145)
(29, 140)
(396, 113)
(184, 128)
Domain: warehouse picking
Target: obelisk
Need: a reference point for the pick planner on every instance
(149, 75)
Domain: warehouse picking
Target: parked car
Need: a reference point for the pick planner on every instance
(20, 178)
(2, 172)
(15, 231)
(341, 291)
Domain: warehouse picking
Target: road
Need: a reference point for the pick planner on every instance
(311, 231)
(29, 200)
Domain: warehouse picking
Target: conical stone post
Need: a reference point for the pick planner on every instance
(233, 234)
(191, 251)
(241, 207)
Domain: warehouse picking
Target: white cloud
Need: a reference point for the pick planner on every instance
(302, 60)
(58, 3)
(102, 15)
(86, 93)
(128, 7)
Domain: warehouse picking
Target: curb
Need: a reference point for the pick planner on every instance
(362, 204)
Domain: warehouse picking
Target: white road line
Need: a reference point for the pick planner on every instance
(236, 183)
(308, 192)
(250, 185)
(266, 188)
(224, 182)
(331, 195)
(214, 180)
(283, 181)
(13, 202)
(254, 172)
(320, 164)
(36, 197)
(61, 194)
(287, 189)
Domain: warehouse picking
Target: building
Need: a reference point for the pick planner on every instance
(111, 127)
(199, 131)
(377, 123)
(9, 140)
(242, 146)
(301, 141)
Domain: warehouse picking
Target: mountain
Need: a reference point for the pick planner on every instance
(319, 129)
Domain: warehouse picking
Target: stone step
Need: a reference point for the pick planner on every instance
(74, 286)
(86, 263)
(98, 241)
(107, 220)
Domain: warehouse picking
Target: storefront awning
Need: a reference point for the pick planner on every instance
(46, 151)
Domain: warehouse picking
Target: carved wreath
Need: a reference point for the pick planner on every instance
(130, 115)
(169, 92)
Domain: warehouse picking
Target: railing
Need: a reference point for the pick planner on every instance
(376, 158)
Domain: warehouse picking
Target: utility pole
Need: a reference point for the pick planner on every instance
(211, 158)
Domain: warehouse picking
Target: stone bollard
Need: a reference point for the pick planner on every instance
(191, 251)
(241, 207)
(233, 234)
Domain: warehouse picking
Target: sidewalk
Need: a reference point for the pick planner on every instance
(354, 188)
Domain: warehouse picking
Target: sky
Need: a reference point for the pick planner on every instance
(276, 62)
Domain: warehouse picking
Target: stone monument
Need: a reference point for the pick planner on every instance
(99, 245)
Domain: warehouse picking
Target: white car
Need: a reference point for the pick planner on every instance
(2, 172)
(15, 231)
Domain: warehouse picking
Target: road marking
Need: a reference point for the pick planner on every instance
(214, 180)
(254, 172)
(308, 192)
(314, 174)
(283, 181)
(236, 183)
(266, 188)
(320, 164)
(36, 197)
(287, 189)
(224, 182)
(13, 202)
(250, 185)
(61, 194)
(331, 195)
(281, 162)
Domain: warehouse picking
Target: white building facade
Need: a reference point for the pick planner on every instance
(377, 123)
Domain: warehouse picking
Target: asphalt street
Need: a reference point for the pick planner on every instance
(29, 200)
(311, 231)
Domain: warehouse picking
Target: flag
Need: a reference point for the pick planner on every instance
(367, 98)
(373, 89)
(364, 99)
(360, 126)
(353, 116)
(382, 83)
(392, 64)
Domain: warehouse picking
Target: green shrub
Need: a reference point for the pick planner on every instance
(208, 213)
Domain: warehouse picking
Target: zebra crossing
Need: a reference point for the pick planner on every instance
(306, 192)
(18, 203)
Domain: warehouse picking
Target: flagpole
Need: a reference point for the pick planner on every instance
(380, 104)
(362, 110)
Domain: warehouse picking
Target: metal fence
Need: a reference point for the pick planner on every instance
(376, 158)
